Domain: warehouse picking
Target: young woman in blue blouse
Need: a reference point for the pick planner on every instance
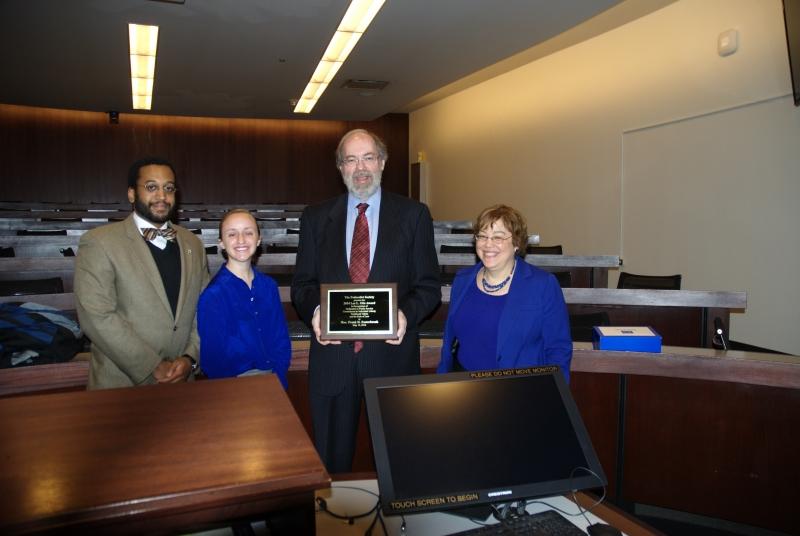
(239, 316)
(504, 312)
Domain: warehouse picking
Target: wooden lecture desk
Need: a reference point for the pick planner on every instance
(156, 459)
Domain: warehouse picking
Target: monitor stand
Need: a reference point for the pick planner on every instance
(478, 511)
(484, 511)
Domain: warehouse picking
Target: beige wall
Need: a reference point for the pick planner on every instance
(581, 139)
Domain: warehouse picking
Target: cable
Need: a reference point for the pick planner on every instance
(575, 498)
(378, 517)
(323, 506)
(581, 510)
(365, 490)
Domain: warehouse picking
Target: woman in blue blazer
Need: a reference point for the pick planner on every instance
(504, 312)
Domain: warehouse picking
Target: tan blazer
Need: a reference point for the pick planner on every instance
(123, 308)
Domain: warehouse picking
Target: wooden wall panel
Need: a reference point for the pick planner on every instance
(597, 398)
(720, 449)
(65, 155)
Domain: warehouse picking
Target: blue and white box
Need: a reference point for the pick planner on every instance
(626, 338)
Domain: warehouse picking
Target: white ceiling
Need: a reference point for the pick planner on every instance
(248, 58)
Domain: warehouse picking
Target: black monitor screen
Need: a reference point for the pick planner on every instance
(455, 440)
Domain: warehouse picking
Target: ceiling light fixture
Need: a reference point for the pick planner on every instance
(354, 23)
(143, 45)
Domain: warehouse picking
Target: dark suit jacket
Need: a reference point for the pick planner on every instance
(533, 328)
(123, 308)
(405, 254)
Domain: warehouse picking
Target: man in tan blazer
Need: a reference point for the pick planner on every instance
(137, 283)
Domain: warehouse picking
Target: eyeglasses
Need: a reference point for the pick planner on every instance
(496, 240)
(152, 187)
(368, 160)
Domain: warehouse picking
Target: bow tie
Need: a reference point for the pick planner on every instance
(150, 233)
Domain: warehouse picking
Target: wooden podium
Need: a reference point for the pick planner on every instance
(155, 459)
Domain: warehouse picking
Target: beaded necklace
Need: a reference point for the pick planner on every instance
(488, 287)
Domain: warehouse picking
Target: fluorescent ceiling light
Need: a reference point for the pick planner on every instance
(354, 23)
(142, 102)
(143, 45)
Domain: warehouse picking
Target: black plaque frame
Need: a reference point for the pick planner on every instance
(329, 291)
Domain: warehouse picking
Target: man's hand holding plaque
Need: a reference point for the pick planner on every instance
(402, 323)
(365, 311)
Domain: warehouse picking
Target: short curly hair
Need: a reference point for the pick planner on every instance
(133, 171)
(511, 218)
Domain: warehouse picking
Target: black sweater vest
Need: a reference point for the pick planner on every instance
(168, 261)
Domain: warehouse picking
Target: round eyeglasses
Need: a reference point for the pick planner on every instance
(152, 187)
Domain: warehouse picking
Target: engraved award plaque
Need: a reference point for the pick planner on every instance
(358, 311)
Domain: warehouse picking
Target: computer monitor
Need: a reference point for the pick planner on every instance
(450, 441)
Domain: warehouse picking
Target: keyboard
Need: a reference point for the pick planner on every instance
(547, 523)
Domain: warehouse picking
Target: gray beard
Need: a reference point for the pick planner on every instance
(365, 194)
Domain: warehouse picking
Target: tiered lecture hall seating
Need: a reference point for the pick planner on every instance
(676, 316)
(564, 277)
(653, 282)
(23, 287)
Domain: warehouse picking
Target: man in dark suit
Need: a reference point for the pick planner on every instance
(137, 283)
(394, 234)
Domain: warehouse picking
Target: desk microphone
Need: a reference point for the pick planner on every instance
(720, 338)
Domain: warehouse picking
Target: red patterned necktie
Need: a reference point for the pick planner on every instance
(359, 254)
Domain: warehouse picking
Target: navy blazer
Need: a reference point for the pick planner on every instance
(405, 254)
(534, 325)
